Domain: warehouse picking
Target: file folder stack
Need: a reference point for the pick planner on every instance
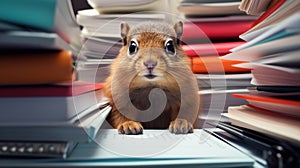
(272, 49)
(44, 111)
(211, 30)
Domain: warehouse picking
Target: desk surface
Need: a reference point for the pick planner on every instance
(153, 148)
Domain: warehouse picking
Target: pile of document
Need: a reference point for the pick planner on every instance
(44, 111)
(211, 29)
(272, 49)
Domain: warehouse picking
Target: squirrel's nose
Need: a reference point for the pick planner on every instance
(150, 64)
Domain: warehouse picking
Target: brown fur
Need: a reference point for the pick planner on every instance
(128, 91)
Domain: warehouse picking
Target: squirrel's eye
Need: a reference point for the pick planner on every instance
(133, 47)
(169, 47)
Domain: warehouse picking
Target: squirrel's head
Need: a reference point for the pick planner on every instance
(151, 50)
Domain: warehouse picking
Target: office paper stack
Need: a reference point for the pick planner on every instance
(272, 50)
(44, 110)
(101, 31)
(211, 29)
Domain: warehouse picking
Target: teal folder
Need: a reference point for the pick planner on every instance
(38, 14)
(54, 16)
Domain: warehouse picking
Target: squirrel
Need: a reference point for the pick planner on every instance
(152, 58)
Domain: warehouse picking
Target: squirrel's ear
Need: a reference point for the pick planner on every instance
(124, 31)
(178, 27)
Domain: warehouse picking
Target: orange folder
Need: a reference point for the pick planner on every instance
(36, 68)
(212, 64)
(73, 88)
(268, 99)
(281, 105)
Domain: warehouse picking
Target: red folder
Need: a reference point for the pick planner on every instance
(268, 99)
(279, 105)
(214, 30)
(222, 48)
(212, 64)
(73, 89)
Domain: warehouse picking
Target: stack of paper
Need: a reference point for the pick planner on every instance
(209, 7)
(35, 45)
(272, 50)
(210, 30)
(128, 6)
(41, 100)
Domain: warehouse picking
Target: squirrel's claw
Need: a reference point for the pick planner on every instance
(181, 126)
(130, 128)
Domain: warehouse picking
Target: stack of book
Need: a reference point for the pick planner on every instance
(44, 110)
(211, 29)
(101, 31)
(272, 50)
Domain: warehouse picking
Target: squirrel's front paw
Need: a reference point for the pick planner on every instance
(180, 126)
(130, 128)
